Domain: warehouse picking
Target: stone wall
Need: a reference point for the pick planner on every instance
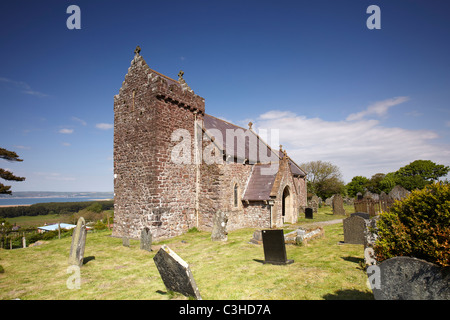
(150, 190)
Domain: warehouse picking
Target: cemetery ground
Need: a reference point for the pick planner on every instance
(231, 270)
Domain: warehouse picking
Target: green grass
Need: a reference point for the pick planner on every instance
(323, 269)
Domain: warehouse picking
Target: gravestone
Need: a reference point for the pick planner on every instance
(308, 213)
(78, 243)
(354, 229)
(175, 273)
(146, 239)
(274, 247)
(370, 236)
(399, 193)
(219, 231)
(406, 278)
(257, 237)
(314, 203)
(338, 205)
(125, 242)
(363, 215)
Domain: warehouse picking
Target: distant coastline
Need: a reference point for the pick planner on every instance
(33, 197)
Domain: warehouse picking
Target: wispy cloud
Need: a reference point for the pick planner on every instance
(54, 176)
(80, 121)
(358, 147)
(23, 87)
(66, 144)
(66, 131)
(379, 108)
(104, 126)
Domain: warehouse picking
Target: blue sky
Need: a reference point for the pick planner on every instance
(368, 101)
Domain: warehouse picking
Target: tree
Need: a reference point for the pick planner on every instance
(358, 184)
(419, 174)
(324, 178)
(5, 174)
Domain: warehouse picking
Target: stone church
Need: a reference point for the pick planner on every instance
(164, 178)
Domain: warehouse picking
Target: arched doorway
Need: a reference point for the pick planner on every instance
(286, 205)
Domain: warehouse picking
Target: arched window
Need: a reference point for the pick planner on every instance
(236, 195)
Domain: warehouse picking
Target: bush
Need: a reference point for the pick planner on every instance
(418, 226)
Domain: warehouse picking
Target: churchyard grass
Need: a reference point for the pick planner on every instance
(323, 269)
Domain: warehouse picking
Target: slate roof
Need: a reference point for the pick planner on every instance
(218, 129)
(260, 183)
(263, 173)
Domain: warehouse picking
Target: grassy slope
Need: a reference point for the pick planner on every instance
(323, 269)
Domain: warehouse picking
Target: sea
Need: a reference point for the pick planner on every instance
(33, 200)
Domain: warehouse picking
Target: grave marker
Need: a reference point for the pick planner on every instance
(309, 213)
(407, 278)
(274, 247)
(354, 230)
(338, 205)
(219, 231)
(175, 273)
(78, 243)
(146, 239)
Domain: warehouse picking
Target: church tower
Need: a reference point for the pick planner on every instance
(150, 189)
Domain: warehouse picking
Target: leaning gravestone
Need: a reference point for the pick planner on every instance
(406, 278)
(146, 239)
(274, 247)
(338, 205)
(175, 273)
(354, 230)
(219, 231)
(78, 243)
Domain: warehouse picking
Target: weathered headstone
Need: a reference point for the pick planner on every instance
(314, 203)
(175, 273)
(354, 228)
(219, 231)
(338, 205)
(308, 213)
(257, 237)
(125, 241)
(274, 247)
(370, 236)
(406, 278)
(363, 215)
(399, 193)
(146, 239)
(78, 243)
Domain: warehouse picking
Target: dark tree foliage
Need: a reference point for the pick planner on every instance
(7, 175)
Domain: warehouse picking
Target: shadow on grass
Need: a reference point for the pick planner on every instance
(87, 259)
(350, 294)
(353, 259)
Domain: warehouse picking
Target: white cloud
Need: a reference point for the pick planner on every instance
(379, 108)
(66, 144)
(23, 87)
(66, 131)
(104, 126)
(80, 121)
(56, 176)
(359, 147)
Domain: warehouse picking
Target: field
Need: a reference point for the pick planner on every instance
(323, 269)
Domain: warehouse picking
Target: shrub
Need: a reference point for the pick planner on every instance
(418, 226)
